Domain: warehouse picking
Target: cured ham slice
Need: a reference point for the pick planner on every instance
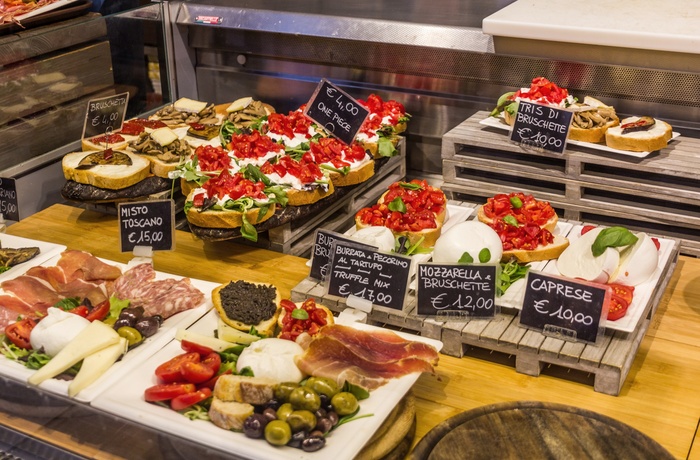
(164, 297)
(11, 307)
(83, 265)
(33, 291)
(366, 359)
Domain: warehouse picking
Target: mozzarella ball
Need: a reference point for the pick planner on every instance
(470, 237)
(56, 330)
(577, 260)
(380, 237)
(637, 262)
(272, 359)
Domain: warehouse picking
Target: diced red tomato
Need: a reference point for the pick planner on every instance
(107, 139)
(19, 332)
(191, 347)
(542, 90)
(190, 399)
(233, 185)
(195, 372)
(169, 371)
(168, 391)
(254, 145)
(293, 327)
(531, 211)
(656, 243)
(212, 158)
(131, 129)
(99, 312)
(587, 228)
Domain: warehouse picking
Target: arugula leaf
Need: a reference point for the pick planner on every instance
(511, 272)
(612, 237)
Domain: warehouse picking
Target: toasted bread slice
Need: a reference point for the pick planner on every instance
(235, 311)
(651, 140)
(591, 125)
(354, 176)
(550, 225)
(297, 197)
(107, 176)
(550, 251)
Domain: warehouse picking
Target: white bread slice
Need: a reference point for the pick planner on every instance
(113, 177)
(354, 176)
(549, 225)
(265, 327)
(550, 251)
(598, 110)
(651, 140)
(226, 218)
(244, 389)
(229, 415)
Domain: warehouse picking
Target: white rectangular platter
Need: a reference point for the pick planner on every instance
(46, 252)
(125, 399)
(132, 358)
(497, 122)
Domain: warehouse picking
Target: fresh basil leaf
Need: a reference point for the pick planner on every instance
(484, 255)
(300, 313)
(510, 220)
(397, 204)
(466, 259)
(516, 202)
(410, 186)
(68, 303)
(612, 237)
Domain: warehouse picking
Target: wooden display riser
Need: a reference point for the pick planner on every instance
(609, 361)
(658, 194)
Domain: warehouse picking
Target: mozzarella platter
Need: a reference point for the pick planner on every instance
(125, 399)
(136, 355)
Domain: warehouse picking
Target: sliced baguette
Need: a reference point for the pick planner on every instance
(593, 134)
(297, 197)
(354, 176)
(227, 218)
(229, 415)
(265, 327)
(106, 176)
(244, 389)
(550, 251)
(651, 140)
(549, 225)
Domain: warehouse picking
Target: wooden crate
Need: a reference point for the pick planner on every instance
(658, 194)
(609, 361)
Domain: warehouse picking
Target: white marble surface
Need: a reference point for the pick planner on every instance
(672, 25)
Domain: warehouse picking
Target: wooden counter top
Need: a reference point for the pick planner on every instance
(659, 398)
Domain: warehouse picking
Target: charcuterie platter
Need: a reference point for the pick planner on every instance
(126, 399)
(33, 274)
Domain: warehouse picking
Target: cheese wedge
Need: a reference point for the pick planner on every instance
(164, 136)
(239, 104)
(95, 365)
(185, 104)
(92, 339)
(231, 334)
(215, 344)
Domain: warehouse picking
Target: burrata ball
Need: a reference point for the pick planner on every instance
(471, 237)
(56, 330)
(380, 237)
(272, 359)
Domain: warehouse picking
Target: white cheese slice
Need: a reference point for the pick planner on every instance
(239, 104)
(164, 136)
(189, 105)
(215, 344)
(93, 338)
(95, 365)
(231, 334)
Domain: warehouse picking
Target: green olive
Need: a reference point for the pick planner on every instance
(284, 411)
(323, 386)
(301, 420)
(344, 403)
(283, 389)
(278, 433)
(110, 320)
(305, 398)
(132, 336)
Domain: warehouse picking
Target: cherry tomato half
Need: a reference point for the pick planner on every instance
(168, 391)
(169, 371)
(196, 372)
(626, 293)
(99, 312)
(191, 347)
(617, 309)
(18, 333)
(184, 401)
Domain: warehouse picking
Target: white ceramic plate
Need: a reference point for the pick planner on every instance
(642, 292)
(165, 334)
(498, 122)
(46, 252)
(125, 399)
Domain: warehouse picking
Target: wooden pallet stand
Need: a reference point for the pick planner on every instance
(657, 194)
(609, 361)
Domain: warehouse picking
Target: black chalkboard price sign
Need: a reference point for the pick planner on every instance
(8, 199)
(336, 111)
(321, 252)
(563, 308)
(541, 127)
(456, 290)
(147, 223)
(375, 276)
(105, 115)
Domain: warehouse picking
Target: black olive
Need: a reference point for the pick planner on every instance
(254, 426)
(147, 326)
(321, 412)
(123, 322)
(131, 314)
(159, 318)
(313, 443)
(333, 417)
(274, 403)
(269, 413)
(297, 439)
(324, 424)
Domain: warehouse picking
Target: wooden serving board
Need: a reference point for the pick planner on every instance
(527, 429)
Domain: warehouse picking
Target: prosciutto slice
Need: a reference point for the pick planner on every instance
(366, 359)
(83, 265)
(164, 297)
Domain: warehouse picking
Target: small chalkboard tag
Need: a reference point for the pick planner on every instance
(564, 308)
(375, 276)
(541, 127)
(105, 115)
(147, 223)
(336, 111)
(8, 199)
(453, 291)
(321, 251)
